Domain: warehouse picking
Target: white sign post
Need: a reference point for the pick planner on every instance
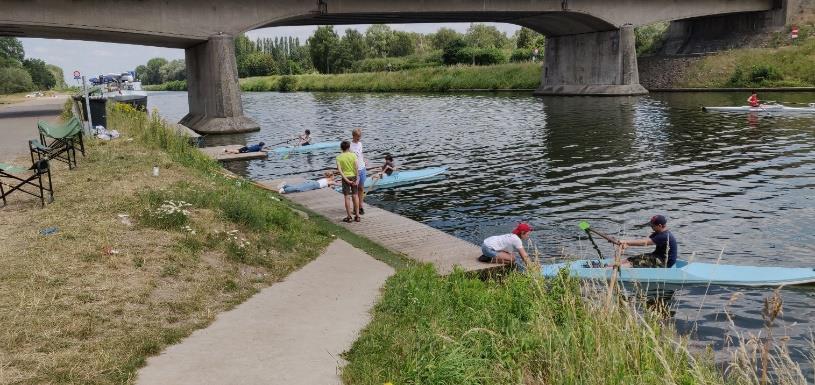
(87, 104)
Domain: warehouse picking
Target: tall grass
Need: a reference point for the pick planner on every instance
(428, 79)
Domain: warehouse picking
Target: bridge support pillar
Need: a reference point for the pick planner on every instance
(213, 92)
(597, 63)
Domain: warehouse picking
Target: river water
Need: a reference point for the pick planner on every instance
(734, 186)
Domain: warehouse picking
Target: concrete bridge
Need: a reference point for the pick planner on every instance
(589, 50)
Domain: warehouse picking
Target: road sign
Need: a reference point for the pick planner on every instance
(794, 32)
(77, 75)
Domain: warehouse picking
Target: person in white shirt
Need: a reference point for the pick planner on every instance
(502, 248)
(356, 148)
(309, 184)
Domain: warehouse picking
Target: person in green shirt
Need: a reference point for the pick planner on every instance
(347, 165)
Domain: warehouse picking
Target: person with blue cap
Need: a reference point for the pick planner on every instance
(665, 251)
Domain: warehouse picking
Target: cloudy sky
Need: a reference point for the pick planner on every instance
(93, 58)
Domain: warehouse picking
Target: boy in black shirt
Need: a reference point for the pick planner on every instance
(664, 255)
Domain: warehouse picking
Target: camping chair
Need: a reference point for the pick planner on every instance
(58, 139)
(20, 178)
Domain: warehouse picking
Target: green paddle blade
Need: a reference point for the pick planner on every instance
(583, 225)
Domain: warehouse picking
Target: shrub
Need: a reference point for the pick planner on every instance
(451, 51)
(480, 56)
(15, 79)
(521, 55)
(760, 73)
(287, 83)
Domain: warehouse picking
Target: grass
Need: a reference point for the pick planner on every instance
(527, 330)
(138, 262)
(788, 66)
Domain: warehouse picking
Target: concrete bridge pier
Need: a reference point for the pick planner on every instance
(596, 63)
(213, 91)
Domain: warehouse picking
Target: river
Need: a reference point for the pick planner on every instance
(732, 185)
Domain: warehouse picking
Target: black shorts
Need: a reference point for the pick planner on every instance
(349, 188)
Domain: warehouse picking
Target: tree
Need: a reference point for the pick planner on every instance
(323, 45)
(42, 78)
(526, 38)
(451, 51)
(173, 70)
(485, 36)
(11, 51)
(151, 73)
(14, 79)
(352, 48)
(401, 44)
(259, 64)
(379, 38)
(443, 37)
(59, 76)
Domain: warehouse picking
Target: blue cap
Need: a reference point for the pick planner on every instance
(658, 220)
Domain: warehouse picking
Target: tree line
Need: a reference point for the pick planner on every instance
(379, 48)
(18, 74)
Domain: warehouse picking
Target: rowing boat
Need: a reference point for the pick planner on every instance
(310, 147)
(687, 273)
(769, 108)
(402, 177)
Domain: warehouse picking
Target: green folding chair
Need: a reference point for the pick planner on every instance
(59, 141)
(23, 179)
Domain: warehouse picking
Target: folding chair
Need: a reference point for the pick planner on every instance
(64, 139)
(19, 177)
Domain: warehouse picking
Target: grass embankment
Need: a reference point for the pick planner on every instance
(790, 66)
(526, 330)
(90, 302)
(428, 79)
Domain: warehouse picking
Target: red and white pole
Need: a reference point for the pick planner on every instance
(794, 32)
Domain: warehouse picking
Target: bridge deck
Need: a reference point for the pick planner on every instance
(399, 234)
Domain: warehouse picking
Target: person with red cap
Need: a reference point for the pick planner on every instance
(502, 248)
(664, 255)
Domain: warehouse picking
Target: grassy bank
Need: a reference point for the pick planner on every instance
(790, 66)
(138, 262)
(525, 330)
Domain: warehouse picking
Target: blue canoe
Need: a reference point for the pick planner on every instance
(402, 177)
(685, 273)
(310, 147)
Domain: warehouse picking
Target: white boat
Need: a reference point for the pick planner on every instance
(122, 88)
(765, 108)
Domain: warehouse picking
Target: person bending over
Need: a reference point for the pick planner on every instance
(665, 251)
(502, 248)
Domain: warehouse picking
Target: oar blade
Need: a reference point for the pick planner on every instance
(583, 225)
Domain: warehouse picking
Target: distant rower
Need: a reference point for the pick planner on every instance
(753, 100)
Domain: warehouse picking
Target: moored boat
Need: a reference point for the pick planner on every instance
(687, 273)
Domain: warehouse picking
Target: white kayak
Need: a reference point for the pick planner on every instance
(768, 108)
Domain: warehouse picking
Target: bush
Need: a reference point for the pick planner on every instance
(521, 55)
(451, 50)
(480, 56)
(756, 76)
(395, 63)
(287, 83)
(15, 79)
(759, 74)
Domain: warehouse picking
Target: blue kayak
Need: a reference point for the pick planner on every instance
(310, 147)
(688, 273)
(402, 177)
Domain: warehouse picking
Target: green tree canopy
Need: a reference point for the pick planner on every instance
(11, 51)
(485, 36)
(43, 78)
(323, 47)
(401, 44)
(379, 38)
(443, 37)
(14, 79)
(59, 76)
(526, 38)
(173, 70)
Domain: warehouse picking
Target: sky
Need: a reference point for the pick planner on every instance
(94, 58)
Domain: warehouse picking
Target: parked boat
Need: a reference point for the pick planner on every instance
(687, 273)
(310, 147)
(121, 88)
(769, 108)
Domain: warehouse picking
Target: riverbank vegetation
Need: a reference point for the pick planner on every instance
(133, 262)
(524, 329)
(21, 74)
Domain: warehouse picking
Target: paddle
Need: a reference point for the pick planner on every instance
(373, 185)
(587, 228)
(285, 141)
(290, 151)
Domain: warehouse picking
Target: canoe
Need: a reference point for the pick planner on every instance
(688, 273)
(310, 147)
(402, 177)
(770, 108)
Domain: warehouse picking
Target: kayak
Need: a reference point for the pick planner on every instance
(310, 147)
(770, 108)
(688, 273)
(401, 177)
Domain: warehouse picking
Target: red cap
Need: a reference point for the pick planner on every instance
(522, 228)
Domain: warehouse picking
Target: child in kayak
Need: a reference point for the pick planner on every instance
(502, 248)
(664, 255)
(753, 100)
(327, 181)
(389, 167)
(304, 139)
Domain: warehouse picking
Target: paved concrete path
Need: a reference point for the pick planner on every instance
(290, 333)
(18, 124)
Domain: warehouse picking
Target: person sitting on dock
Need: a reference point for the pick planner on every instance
(251, 148)
(502, 248)
(664, 255)
(327, 181)
(347, 166)
(753, 100)
(304, 139)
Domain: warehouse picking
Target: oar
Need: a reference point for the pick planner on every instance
(587, 228)
(290, 151)
(285, 141)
